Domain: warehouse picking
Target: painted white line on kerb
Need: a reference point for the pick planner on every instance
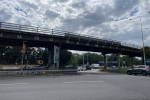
(83, 81)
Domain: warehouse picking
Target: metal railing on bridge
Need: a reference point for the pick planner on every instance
(53, 32)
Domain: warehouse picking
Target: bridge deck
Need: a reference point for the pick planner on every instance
(14, 34)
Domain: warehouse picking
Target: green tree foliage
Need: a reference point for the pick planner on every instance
(127, 60)
(13, 55)
(77, 59)
(10, 55)
(65, 57)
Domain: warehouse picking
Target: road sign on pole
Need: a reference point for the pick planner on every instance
(148, 61)
(56, 54)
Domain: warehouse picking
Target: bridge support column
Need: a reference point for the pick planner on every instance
(105, 64)
(49, 57)
(118, 60)
(132, 62)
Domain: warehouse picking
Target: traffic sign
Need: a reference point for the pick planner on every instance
(56, 54)
(148, 61)
(40, 61)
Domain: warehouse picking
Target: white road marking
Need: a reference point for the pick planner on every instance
(6, 84)
(20, 83)
(83, 81)
(15, 84)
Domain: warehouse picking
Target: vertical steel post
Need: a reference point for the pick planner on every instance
(52, 32)
(143, 43)
(37, 30)
(19, 29)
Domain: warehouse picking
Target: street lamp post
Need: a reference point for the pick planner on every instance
(142, 41)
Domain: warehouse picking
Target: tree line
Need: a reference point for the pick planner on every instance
(13, 55)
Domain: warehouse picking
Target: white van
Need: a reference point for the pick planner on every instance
(95, 66)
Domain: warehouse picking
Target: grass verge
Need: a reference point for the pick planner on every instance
(122, 70)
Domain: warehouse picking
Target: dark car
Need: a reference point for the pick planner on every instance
(37, 67)
(140, 69)
(28, 68)
(88, 68)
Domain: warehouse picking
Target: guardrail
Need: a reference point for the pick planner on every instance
(29, 71)
(53, 32)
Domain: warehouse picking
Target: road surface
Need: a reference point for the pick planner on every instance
(100, 86)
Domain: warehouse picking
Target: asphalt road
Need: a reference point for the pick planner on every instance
(100, 86)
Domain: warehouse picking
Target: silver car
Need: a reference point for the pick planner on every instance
(140, 69)
(80, 68)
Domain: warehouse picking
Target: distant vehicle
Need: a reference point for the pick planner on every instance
(37, 68)
(28, 68)
(88, 68)
(140, 69)
(80, 68)
(95, 66)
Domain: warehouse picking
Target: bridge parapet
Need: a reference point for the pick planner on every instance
(69, 35)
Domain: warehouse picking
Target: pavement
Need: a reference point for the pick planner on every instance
(90, 86)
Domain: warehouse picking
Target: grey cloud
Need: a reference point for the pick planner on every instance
(5, 16)
(123, 6)
(69, 10)
(60, 1)
(31, 5)
(51, 14)
(79, 5)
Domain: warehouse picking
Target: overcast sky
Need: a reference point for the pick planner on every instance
(101, 18)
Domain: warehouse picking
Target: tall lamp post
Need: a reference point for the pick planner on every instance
(142, 41)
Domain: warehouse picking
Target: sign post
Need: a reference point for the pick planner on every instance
(56, 55)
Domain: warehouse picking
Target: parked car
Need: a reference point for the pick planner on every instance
(81, 68)
(37, 67)
(28, 68)
(140, 69)
(88, 68)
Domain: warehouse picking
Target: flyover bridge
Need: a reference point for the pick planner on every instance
(14, 35)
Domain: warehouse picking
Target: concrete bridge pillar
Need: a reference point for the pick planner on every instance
(49, 56)
(105, 63)
(118, 54)
(131, 62)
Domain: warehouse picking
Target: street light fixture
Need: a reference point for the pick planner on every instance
(142, 41)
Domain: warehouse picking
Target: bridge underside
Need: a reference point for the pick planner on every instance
(30, 43)
(11, 38)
